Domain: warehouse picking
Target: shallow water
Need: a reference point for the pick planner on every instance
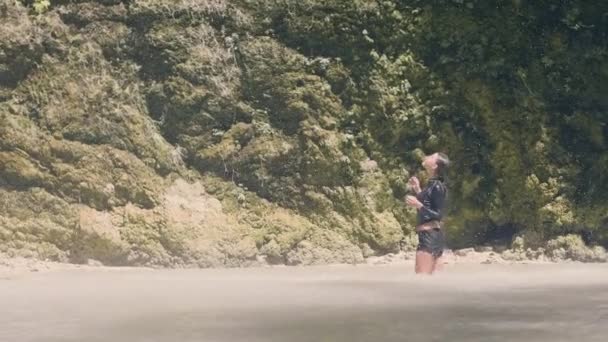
(331, 303)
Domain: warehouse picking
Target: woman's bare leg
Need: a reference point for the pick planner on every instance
(437, 264)
(424, 262)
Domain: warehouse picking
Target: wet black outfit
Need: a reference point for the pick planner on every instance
(433, 198)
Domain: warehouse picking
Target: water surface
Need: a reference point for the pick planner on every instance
(567, 302)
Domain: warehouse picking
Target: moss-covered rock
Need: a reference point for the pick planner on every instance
(232, 133)
(21, 45)
(36, 224)
(572, 247)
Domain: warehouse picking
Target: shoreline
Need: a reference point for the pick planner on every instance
(18, 266)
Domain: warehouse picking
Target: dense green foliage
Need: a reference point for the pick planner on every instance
(296, 124)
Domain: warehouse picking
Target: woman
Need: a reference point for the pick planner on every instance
(430, 204)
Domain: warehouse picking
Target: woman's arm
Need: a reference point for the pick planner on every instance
(414, 185)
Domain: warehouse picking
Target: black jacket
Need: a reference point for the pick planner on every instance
(433, 198)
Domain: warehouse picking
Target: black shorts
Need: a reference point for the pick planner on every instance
(431, 241)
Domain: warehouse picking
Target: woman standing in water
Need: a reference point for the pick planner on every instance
(430, 203)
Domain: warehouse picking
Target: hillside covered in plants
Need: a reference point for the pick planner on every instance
(238, 132)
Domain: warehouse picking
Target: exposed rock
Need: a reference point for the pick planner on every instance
(572, 247)
(195, 133)
(464, 252)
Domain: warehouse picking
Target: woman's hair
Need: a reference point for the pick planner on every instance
(443, 163)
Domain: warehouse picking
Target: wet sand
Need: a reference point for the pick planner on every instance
(468, 302)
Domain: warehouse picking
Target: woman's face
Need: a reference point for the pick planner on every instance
(430, 162)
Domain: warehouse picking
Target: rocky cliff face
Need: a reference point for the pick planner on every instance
(226, 133)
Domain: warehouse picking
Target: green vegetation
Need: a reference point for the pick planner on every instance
(215, 132)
